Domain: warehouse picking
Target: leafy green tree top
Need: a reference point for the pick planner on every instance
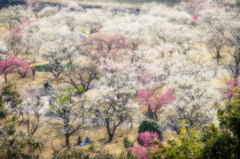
(8, 96)
(224, 142)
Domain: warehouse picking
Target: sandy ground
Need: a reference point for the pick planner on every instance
(98, 135)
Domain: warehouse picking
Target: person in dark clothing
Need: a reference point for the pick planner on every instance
(33, 74)
(46, 85)
(87, 140)
(79, 140)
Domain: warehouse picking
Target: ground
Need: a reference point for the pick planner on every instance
(98, 135)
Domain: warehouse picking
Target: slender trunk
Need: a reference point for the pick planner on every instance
(82, 117)
(215, 74)
(67, 139)
(237, 61)
(5, 76)
(156, 118)
(108, 131)
(28, 126)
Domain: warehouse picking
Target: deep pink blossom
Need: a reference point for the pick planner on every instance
(195, 17)
(141, 152)
(13, 65)
(230, 85)
(147, 138)
(155, 100)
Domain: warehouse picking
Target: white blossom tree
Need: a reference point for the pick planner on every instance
(68, 108)
(58, 48)
(196, 96)
(224, 23)
(115, 95)
(30, 111)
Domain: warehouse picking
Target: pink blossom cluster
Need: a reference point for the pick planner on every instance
(156, 101)
(230, 85)
(26, 20)
(12, 65)
(207, 5)
(195, 17)
(147, 139)
(141, 152)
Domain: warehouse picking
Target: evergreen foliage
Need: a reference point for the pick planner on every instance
(149, 125)
(127, 143)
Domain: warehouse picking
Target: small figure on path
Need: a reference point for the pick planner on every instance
(33, 74)
(46, 85)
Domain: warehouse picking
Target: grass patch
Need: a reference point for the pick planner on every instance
(80, 88)
(42, 68)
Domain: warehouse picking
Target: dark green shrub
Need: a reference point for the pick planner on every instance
(42, 68)
(149, 125)
(54, 67)
(224, 142)
(127, 143)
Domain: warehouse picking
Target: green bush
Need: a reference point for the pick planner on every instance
(149, 125)
(42, 68)
(80, 88)
(127, 143)
(224, 142)
(185, 145)
(48, 67)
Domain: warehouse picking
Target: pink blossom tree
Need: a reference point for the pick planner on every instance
(195, 17)
(103, 45)
(12, 65)
(154, 100)
(141, 152)
(147, 139)
(150, 81)
(7, 66)
(230, 84)
(22, 67)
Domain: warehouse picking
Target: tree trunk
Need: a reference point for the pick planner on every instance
(67, 139)
(5, 76)
(110, 137)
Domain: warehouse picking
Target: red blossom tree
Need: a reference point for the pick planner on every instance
(12, 65)
(22, 67)
(7, 66)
